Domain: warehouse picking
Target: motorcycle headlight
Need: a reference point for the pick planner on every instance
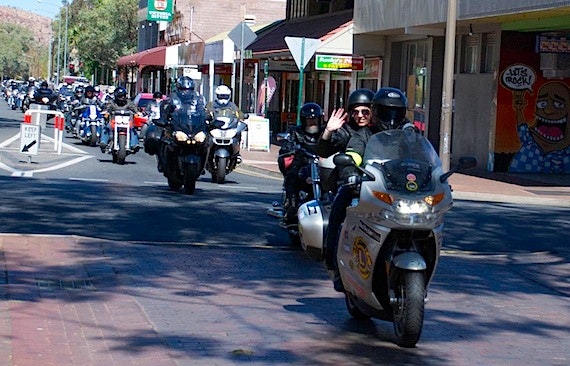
(45, 100)
(180, 136)
(200, 137)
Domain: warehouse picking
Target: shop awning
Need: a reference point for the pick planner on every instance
(152, 57)
(320, 27)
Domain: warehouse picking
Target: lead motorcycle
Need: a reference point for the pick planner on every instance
(184, 145)
(120, 144)
(224, 151)
(389, 243)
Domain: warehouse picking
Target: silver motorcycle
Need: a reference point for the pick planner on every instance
(389, 243)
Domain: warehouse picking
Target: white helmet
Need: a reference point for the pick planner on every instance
(111, 89)
(223, 94)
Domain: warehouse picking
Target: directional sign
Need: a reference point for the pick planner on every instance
(302, 49)
(242, 36)
(29, 139)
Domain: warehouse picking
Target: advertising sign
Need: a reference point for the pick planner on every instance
(332, 62)
(160, 10)
(258, 133)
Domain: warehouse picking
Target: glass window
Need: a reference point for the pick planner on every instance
(488, 53)
(470, 53)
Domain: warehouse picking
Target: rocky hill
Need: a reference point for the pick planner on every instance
(39, 25)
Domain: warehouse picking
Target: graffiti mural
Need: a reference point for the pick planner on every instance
(533, 128)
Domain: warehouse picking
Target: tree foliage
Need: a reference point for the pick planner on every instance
(15, 41)
(101, 31)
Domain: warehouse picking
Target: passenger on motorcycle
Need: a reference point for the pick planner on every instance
(388, 109)
(339, 129)
(222, 106)
(305, 136)
(120, 102)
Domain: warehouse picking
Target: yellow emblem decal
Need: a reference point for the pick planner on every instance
(411, 186)
(362, 257)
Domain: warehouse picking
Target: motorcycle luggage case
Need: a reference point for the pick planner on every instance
(313, 220)
(152, 140)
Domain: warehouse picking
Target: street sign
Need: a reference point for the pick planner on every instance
(334, 62)
(302, 49)
(29, 139)
(160, 10)
(242, 35)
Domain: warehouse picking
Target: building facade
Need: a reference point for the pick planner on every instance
(511, 75)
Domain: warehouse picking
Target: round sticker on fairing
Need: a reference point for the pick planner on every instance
(411, 177)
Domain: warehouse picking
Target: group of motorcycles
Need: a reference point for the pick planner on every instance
(19, 97)
(388, 246)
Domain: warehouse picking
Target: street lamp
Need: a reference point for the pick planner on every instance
(65, 3)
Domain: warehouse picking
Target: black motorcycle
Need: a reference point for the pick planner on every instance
(184, 145)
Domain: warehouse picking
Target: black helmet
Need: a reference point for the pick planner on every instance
(389, 108)
(360, 97)
(121, 96)
(90, 89)
(311, 110)
(185, 84)
(157, 95)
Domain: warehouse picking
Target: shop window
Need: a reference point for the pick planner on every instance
(488, 52)
(470, 53)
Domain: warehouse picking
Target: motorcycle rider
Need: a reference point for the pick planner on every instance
(120, 102)
(290, 163)
(222, 106)
(75, 102)
(389, 107)
(339, 129)
(184, 100)
(43, 91)
(90, 97)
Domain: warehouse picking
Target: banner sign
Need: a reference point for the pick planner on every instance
(552, 44)
(160, 10)
(332, 62)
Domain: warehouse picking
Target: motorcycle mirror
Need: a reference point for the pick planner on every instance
(343, 160)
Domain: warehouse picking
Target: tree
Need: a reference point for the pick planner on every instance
(15, 42)
(102, 31)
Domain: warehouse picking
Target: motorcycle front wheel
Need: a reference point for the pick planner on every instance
(93, 137)
(122, 152)
(409, 307)
(221, 170)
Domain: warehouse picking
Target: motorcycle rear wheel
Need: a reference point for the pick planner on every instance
(409, 307)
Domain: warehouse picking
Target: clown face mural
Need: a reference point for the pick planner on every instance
(545, 142)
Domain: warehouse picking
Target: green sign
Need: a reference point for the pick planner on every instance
(160, 10)
(333, 62)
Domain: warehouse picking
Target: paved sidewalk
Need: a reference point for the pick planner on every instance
(535, 189)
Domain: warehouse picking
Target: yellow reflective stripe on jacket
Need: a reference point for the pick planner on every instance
(355, 156)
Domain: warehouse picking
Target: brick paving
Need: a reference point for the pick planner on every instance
(80, 301)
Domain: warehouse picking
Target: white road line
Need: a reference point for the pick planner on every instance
(10, 140)
(30, 173)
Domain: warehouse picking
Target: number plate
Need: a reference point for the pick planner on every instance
(122, 121)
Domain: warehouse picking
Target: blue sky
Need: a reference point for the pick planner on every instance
(47, 8)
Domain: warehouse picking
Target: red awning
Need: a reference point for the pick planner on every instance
(151, 57)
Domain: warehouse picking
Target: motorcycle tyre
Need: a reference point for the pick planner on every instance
(93, 138)
(122, 152)
(352, 308)
(409, 309)
(174, 184)
(221, 170)
(189, 180)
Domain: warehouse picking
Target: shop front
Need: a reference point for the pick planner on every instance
(142, 71)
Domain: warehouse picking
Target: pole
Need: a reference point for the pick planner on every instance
(65, 61)
(58, 49)
(301, 72)
(50, 53)
(241, 67)
(447, 94)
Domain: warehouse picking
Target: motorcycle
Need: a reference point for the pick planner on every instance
(27, 98)
(90, 125)
(121, 122)
(310, 190)
(389, 243)
(184, 147)
(224, 152)
(13, 98)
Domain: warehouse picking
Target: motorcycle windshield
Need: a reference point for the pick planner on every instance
(405, 158)
(183, 119)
